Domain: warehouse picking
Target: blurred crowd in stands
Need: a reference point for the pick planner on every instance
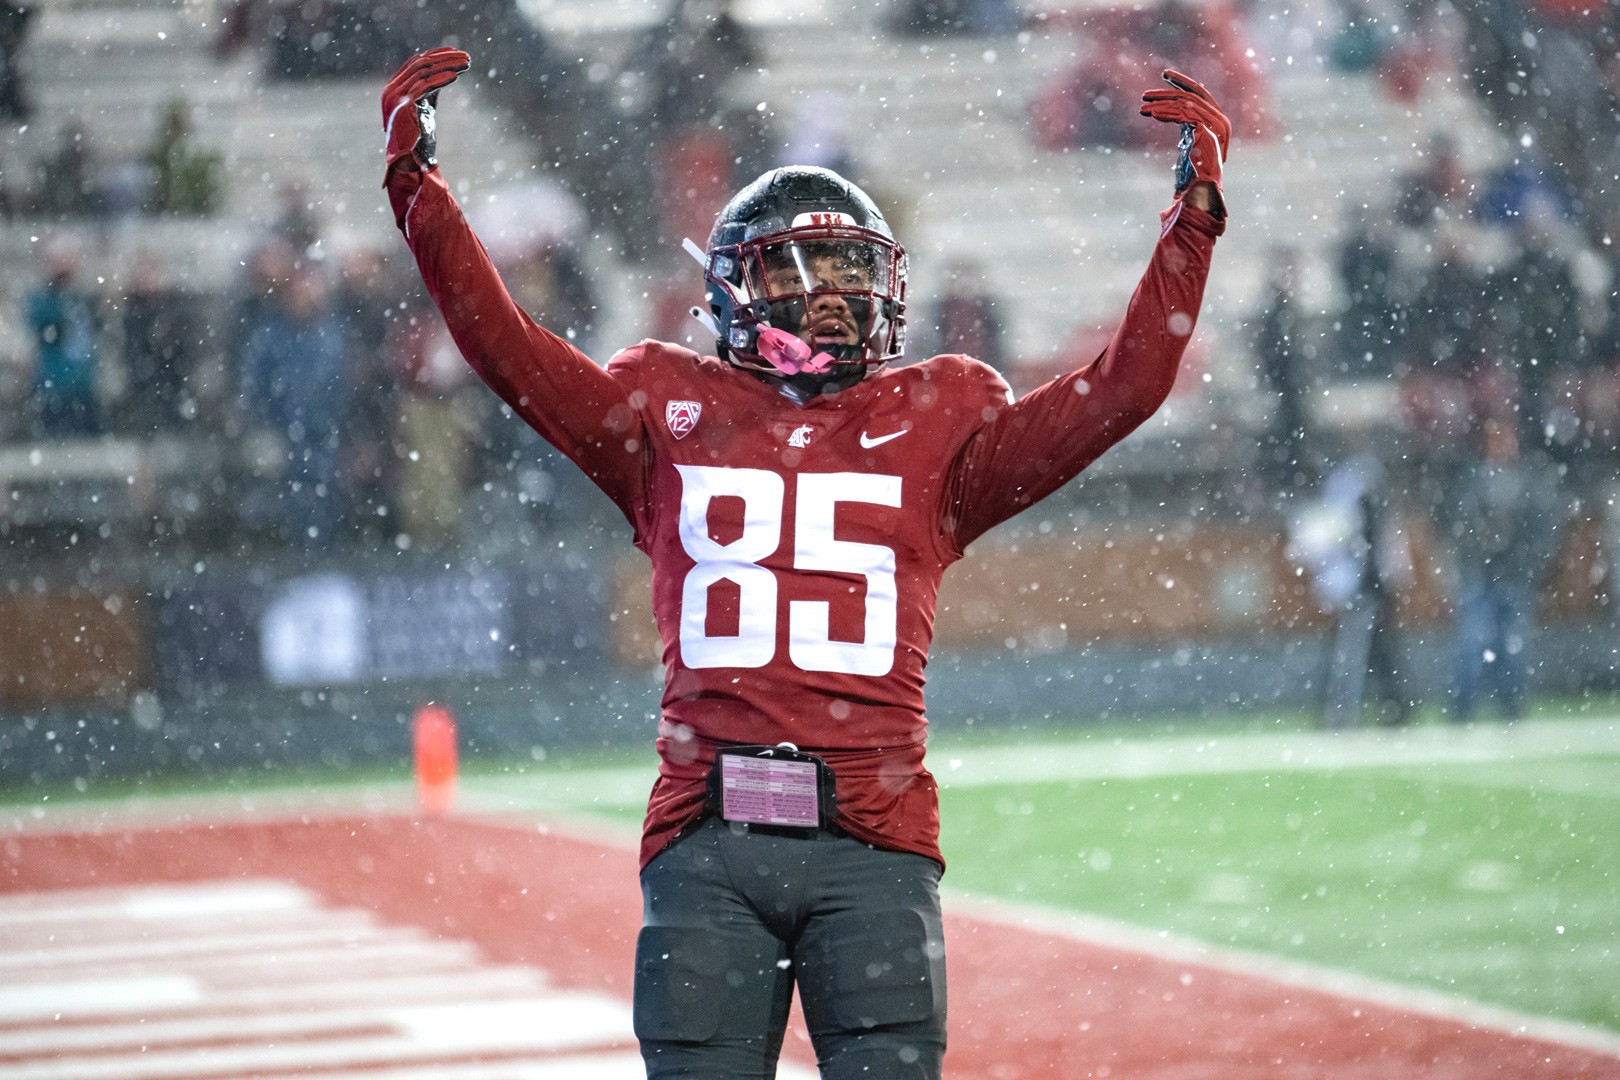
(1487, 290)
(1484, 289)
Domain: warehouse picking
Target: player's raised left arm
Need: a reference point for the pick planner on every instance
(1042, 441)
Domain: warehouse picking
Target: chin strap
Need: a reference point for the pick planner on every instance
(789, 355)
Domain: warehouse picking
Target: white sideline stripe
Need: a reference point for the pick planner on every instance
(1083, 758)
(347, 939)
(1303, 751)
(22, 1001)
(1094, 930)
(570, 1021)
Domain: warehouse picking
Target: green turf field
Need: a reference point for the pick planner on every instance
(1494, 881)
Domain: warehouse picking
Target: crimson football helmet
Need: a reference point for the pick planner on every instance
(801, 249)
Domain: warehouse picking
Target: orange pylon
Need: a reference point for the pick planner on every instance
(433, 732)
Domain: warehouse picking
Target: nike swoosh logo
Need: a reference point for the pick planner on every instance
(868, 442)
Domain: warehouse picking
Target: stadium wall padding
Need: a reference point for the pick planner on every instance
(248, 667)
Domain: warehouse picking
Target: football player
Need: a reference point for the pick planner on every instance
(799, 497)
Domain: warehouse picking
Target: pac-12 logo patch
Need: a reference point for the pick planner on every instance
(682, 417)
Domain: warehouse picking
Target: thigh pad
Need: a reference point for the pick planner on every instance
(862, 970)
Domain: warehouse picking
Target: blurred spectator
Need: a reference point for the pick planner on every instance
(296, 393)
(1280, 349)
(313, 39)
(533, 230)
(1094, 104)
(1504, 527)
(1513, 190)
(63, 320)
(364, 302)
(269, 267)
(1537, 59)
(1445, 313)
(433, 429)
(1360, 585)
(674, 88)
(185, 179)
(162, 335)
(1426, 46)
(681, 67)
(1606, 244)
(517, 51)
(1438, 190)
(1369, 325)
(965, 320)
(939, 18)
(64, 178)
(15, 20)
(297, 221)
(243, 22)
(1536, 309)
(1363, 39)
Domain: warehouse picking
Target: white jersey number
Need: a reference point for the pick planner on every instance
(810, 645)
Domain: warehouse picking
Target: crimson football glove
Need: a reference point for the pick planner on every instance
(408, 103)
(1205, 131)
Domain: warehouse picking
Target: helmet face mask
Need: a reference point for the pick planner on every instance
(805, 252)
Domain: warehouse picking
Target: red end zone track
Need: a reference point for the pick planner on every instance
(1025, 1005)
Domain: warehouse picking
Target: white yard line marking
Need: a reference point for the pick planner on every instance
(47, 999)
(555, 1022)
(282, 941)
(1094, 930)
(620, 1066)
(156, 902)
(624, 1065)
(467, 1015)
(280, 998)
(149, 1001)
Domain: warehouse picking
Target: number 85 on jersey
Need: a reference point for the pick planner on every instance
(763, 495)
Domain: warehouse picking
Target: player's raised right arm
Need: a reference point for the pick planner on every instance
(559, 391)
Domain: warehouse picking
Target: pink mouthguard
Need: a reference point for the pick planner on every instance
(788, 354)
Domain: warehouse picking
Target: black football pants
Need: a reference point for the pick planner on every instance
(735, 917)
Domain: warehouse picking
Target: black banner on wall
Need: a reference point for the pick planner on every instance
(336, 628)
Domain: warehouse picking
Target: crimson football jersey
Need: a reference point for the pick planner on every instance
(797, 550)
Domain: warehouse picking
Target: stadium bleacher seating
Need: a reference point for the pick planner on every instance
(942, 122)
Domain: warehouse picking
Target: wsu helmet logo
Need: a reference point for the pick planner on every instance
(682, 417)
